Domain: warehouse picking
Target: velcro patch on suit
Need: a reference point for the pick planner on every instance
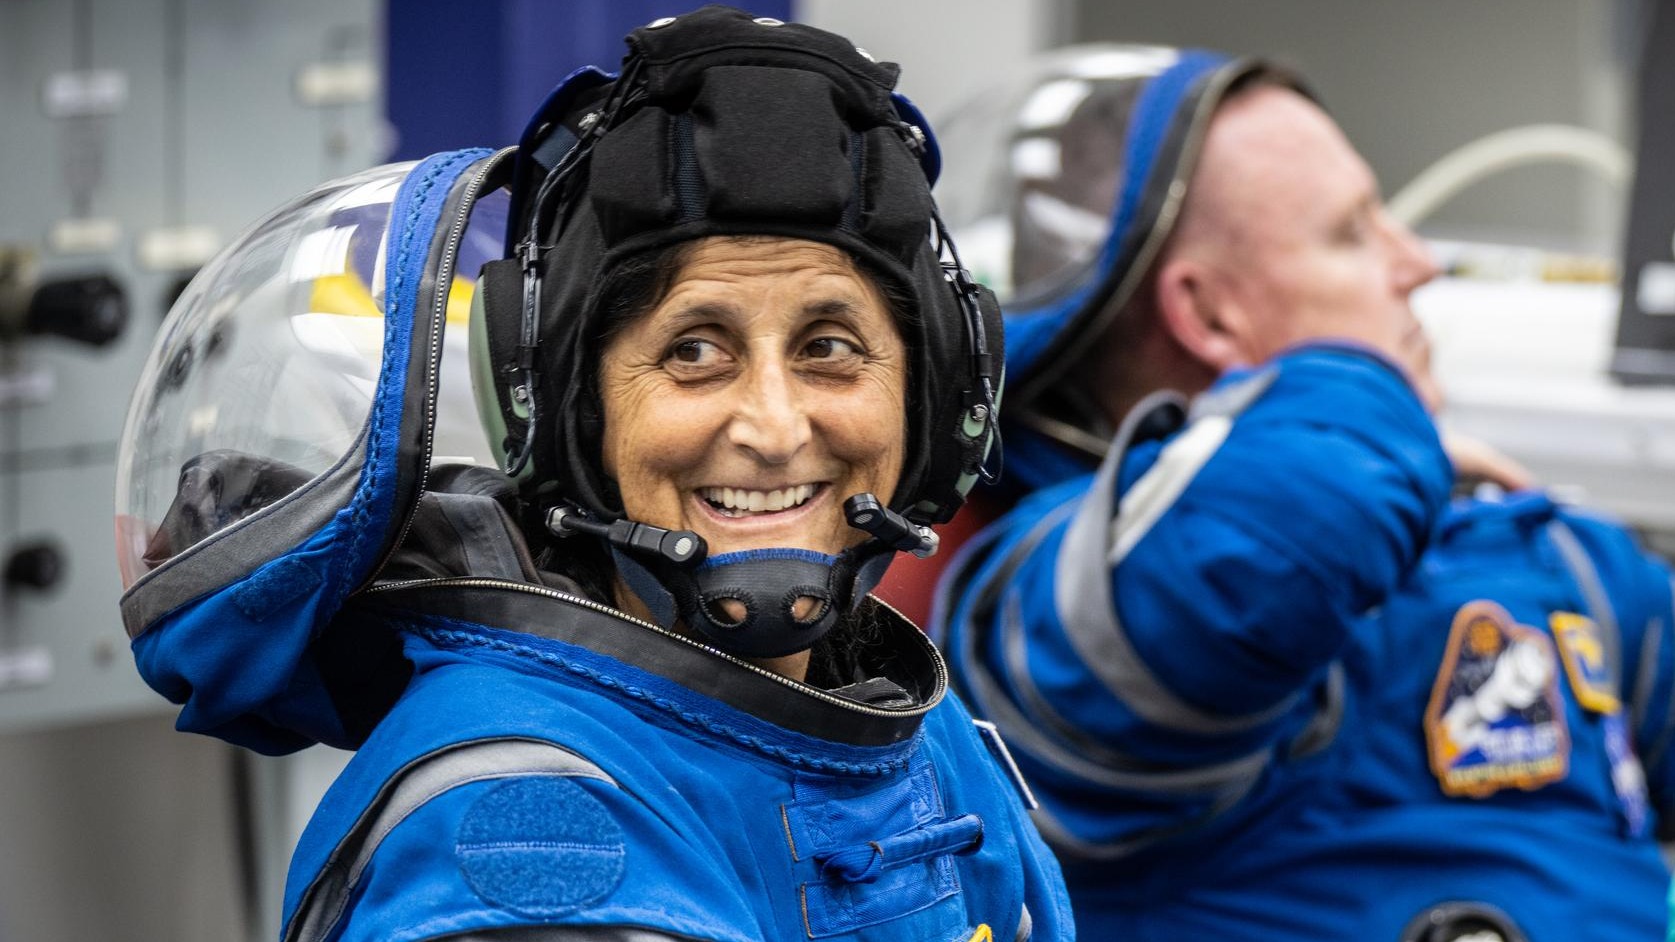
(1583, 651)
(274, 585)
(540, 847)
(1495, 718)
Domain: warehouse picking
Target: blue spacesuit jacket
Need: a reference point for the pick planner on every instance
(1283, 690)
(524, 780)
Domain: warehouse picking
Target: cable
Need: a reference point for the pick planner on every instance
(1514, 147)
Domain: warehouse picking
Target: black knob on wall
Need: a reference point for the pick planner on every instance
(91, 309)
(35, 565)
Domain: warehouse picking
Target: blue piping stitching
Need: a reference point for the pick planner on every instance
(745, 556)
(360, 508)
(452, 637)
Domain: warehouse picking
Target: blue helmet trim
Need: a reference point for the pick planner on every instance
(931, 160)
(545, 139)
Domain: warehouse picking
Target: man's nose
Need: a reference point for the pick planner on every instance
(770, 420)
(1412, 262)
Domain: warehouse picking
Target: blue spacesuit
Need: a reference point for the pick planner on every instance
(328, 538)
(1267, 683)
(1266, 680)
(599, 774)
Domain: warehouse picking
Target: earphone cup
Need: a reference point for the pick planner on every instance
(494, 328)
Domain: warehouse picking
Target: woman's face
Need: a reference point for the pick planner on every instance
(766, 387)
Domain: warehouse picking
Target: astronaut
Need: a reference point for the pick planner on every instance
(1266, 680)
(607, 657)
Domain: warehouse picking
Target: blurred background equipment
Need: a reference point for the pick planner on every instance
(1645, 330)
(141, 136)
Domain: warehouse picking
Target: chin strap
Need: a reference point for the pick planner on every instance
(752, 603)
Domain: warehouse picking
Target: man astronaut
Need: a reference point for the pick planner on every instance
(1267, 680)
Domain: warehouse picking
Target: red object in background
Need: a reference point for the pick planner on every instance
(910, 583)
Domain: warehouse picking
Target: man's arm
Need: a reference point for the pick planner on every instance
(1176, 623)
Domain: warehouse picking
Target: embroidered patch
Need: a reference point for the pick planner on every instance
(540, 847)
(1582, 648)
(1495, 719)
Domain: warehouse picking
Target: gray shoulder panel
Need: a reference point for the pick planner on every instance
(325, 900)
(1099, 537)
(1651, 644)
(1582, 569)
(1041, 731)
(1660, 744)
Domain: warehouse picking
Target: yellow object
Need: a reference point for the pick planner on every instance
(1583, 653)
(342, 294)
(347, 295)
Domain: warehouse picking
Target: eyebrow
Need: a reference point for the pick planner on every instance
(1353, 213)
(710, 310)
(831, 307)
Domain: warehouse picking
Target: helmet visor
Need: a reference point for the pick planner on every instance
(1032, 197)
(263, 375)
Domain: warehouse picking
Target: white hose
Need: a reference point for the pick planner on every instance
(1534, 143)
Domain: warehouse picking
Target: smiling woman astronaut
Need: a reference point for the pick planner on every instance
(633, 688)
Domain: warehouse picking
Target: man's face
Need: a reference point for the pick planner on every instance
(1287, 219)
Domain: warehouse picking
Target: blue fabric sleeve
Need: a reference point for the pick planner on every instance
(1166, 663)
(1315, 507)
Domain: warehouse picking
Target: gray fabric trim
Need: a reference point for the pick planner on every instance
(324, 901)
(1082, 591)
(1651, 643)
(238, 550)
(1582, 569)
(1323, 728)
(1084, 758)
(1234, 398)
(1026, 926)
(1160, 487)
(1067, 846)
(1205, 778)
(1029, 736)
(990, 734)
(1660, 745)
(568, 934)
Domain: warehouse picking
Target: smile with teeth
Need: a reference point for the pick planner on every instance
(740, 502)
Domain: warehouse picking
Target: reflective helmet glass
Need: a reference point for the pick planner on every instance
(263, 375)
(1031, 196)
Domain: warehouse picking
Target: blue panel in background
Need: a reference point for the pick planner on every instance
(470, 74)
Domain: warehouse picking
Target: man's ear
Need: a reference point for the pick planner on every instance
(1200, 314)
